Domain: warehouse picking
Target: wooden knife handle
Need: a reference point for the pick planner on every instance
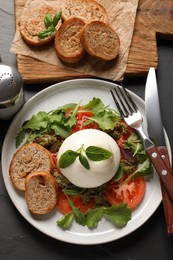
(167, 203)
(164, 172)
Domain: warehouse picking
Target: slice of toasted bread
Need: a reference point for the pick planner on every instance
(67, 41)
(87, 10)
(41, 192)
(29, 158)
(33, 23)
(100, 40)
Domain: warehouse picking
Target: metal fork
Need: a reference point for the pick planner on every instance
(132, 116)
(129, 111)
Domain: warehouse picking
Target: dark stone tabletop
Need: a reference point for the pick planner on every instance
(20, 240)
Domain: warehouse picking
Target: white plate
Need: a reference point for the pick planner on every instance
(51, 98)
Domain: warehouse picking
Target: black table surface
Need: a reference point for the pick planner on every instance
(20, 240)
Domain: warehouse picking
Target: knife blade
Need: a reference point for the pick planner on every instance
(156, 131)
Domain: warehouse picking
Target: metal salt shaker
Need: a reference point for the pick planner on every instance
(11, 91)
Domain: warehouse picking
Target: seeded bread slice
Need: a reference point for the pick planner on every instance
(33, 23)
(29, 158)
(41, 192)
(100, 40)
(67, 41)
(87, 10)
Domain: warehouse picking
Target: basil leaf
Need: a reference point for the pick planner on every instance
(93, 216)
(84, 161)
(45, 33)
(67, 158)
(73, 190)
(119, 215)
(56, 18)
(66, 221)
(95, 153)
(47, 20)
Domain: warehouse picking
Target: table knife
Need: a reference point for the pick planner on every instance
(156, 132)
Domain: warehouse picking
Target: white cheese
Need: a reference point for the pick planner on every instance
(100, 172)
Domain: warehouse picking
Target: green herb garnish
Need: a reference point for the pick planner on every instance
(93, 153)
(56, 120)
(50, 25)
(118, 215)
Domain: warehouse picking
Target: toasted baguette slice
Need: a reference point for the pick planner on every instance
(29, 158)
(33, 23)
(67, 41)
(100, 40)
(41, 192)
(87, 10)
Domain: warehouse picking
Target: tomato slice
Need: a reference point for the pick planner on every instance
(124, 136)
(131, 192)
(63, 204)
(81, 117)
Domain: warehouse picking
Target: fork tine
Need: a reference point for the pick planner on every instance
(129, 100)
(118, 102)
(124, 102)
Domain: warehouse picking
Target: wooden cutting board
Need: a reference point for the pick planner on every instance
(154, 19)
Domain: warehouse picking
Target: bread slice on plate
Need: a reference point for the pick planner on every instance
(29, 158)
(100, 40)
(67, 41)
(30, 25)
(87, 10)
(41, 192)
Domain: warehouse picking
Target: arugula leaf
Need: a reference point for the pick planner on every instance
(61, 129)
(135, 144)
(66, 221)
(103, 116)
(71, 120)
(105, 119)
(93, 216)
(95, 105)
(73, 190)
(20, 138)
(40, 120)
(145, 169)
(119, 215)
(79, 217)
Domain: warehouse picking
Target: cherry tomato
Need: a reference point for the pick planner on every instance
(131, 192)
(63, 204)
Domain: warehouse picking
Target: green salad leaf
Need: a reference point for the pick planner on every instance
(93, 216)
(66, 221)
(118, 215)
(56, 120)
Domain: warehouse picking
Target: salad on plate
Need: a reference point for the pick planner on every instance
(100, 165)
